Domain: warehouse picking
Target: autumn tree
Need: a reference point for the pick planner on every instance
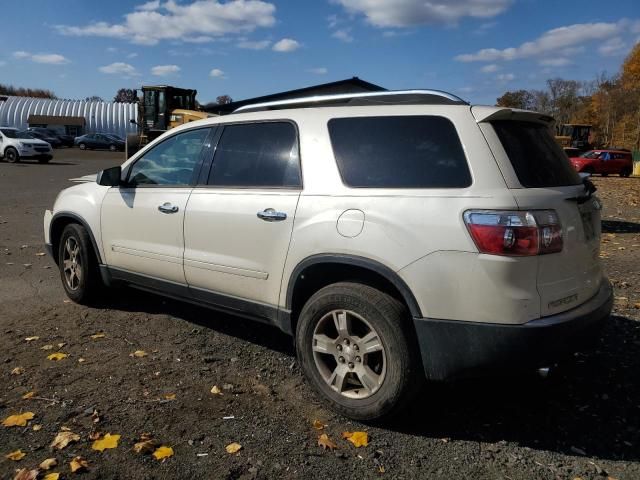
(94, 98)
(126, 95)
(223, 99)
(26, 92)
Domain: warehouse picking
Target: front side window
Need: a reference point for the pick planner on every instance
(257, 155)
(399, 152)
(171, 162)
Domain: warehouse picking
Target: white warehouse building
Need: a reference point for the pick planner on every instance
(72, 117)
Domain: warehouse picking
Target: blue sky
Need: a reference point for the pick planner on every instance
(245, 48)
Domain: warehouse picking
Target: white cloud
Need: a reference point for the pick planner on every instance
(119, 68)
(613, 46)
(254, 45)
(485, 27)
(406, 13)
(343, 34)
(505, 77)
(551, 42)
(112, 49)
(48, 58)
(555, 62)
(132, 55)
(318, 70)
(217, 73)
(199, 21)
(490, 68)
(164, 70)
(286, 45)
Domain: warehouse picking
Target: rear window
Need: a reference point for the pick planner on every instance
(399, 152)
(536, 157)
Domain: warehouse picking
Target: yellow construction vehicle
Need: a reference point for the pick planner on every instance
(161, 108)
(573, 135)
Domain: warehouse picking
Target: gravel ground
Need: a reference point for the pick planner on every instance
(581, 422)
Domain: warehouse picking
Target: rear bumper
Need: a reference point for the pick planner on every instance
(452, 348)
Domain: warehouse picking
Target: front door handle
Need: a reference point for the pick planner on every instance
(166, 207)
(270, 215)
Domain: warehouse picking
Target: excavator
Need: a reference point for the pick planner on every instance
(161, 108)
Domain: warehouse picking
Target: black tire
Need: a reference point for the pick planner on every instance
(44, 159)
(82, 146)
(626, 172)
(604, 174)
(88, 281)
(403, 375)
(112, 148)
(11, 155)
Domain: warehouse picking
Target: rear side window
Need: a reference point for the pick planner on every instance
(537, 159)
(399, 152)
(257, 155)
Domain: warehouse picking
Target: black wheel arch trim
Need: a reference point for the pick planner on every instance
(357, 261)
(77, 218)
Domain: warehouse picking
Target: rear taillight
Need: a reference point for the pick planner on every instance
(516, 233)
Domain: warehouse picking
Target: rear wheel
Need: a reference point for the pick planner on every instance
(112, 148)
(625, 172)
(357, 351)
(604, 174)
(82, 146)
(78, 265)
(11, 155)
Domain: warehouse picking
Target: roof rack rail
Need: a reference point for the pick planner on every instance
(392, 97)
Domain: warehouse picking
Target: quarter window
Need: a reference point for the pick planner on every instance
(171, 162)
(399, 152)
(257, 155)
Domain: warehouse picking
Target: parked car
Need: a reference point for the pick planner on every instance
(604, 162)
(99, 141)
(55, 142)
(15, 145)
(115, 137)
(459, 241)
(65, 140)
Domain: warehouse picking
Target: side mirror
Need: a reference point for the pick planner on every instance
(110, 177)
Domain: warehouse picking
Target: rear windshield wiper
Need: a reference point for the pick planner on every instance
(589, 188)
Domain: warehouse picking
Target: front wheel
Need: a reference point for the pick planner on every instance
(356, 349)
(82, 146)
(11, 155)
(78, 265)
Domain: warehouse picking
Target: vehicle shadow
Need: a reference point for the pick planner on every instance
(619, 226)
(588, 406)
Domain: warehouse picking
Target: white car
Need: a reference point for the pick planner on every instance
(16, 145)
(397, 236)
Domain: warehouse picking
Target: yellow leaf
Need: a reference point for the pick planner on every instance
(15, 456)
(78, 463)
(318, 425)
(57, 356)
(63, 439)
(233, 447)
(31, 339)
(97, 336)
(28, 395)
(17, 371)
(162, 453)
(145, 445)
(48, 463)
(325, 442)
(169, 396)
(216, 390)
(46, 347)
(52, 476)
(138, 354)
(37, 428)
(18, 420)
(359, 439)
(106, 442)
(24, 474)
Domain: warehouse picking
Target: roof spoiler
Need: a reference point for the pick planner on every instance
(489, 114)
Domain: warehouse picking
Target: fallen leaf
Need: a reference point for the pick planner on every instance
(138, 354)
(97, 336)
(94, 436)
(78, 463)
(95, 416)
(636, 305)
(60, 345)
(233, 447)
(17, 371)
(216, 390)
(57, 356)
(63, 439)
(81, 360)
(325, 442)
(46, 347)
(37, 428)
(318, 425)
(169, 396)
(24, 474)
(359, 439)
(40, 254)
(48, 463)
(28, 395)
(18, 420)
(52, 476)
(162, 453)
(146, 444)
(15, 456)
(107, 442)
(31, 339)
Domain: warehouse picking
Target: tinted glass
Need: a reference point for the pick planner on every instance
(399, 152)
(257, 155)
(171, 162)
(9, 133)
(536, 157)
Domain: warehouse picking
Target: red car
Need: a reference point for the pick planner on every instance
(604, 162)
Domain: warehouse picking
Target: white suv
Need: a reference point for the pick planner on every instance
(15, 145)
(398, 236)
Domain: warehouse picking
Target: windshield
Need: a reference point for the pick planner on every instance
(9, 133)
(25, 135)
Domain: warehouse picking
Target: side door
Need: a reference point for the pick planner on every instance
(142, 221)
(239, 221)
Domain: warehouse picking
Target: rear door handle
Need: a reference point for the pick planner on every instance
(166, 207)
(270, 215)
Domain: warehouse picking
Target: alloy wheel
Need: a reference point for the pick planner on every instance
(72, 264)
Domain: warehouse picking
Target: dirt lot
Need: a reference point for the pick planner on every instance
(583, 421)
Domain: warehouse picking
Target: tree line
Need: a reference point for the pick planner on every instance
(611, 104)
